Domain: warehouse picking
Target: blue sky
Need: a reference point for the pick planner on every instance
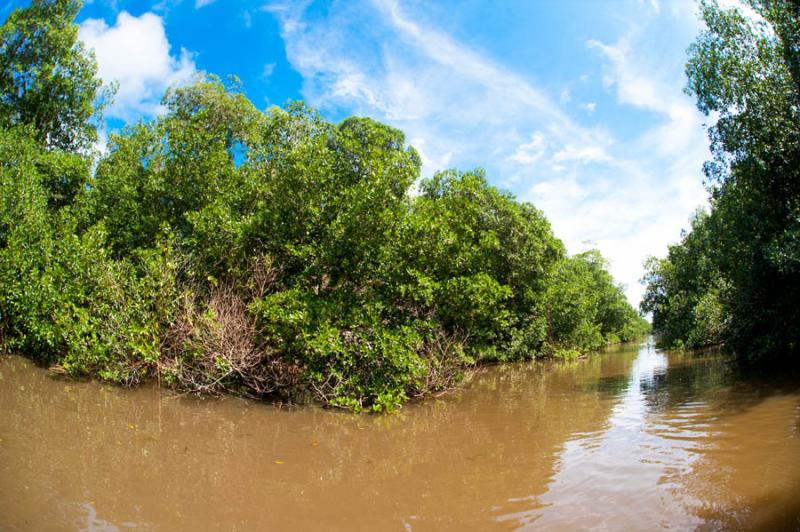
(574, 105)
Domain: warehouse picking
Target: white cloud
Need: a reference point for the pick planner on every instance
(531, 152)
(583, 154)
(439, 161)
(645, 191)
(135, 53)
(632, 87)
(202, 3)
(458, 106)
(423, 82)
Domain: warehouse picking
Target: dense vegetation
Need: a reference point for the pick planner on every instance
(221, 248)
(735, 277)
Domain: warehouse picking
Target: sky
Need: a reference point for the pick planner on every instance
(574, 105)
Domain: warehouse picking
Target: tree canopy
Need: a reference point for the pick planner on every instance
(223, 248)
(48, 78)
(735, 277)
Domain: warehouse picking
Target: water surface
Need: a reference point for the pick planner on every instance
(632, 439)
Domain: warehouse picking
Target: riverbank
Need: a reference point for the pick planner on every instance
(283, 268)
(446, 376)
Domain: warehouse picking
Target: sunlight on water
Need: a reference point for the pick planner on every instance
(631, 456)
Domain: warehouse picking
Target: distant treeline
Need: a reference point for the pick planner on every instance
(224, 249)
(735, 277)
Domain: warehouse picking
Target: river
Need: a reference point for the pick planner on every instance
(630, 439)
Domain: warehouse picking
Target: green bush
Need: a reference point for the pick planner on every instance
(229, 250)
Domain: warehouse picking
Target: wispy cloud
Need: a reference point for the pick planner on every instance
(460, 106)
(636, 203)
(421, 80)
(530, 152)
(267, 71)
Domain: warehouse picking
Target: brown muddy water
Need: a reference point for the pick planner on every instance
(632, 439)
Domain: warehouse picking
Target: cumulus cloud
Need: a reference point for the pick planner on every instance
(136, 54)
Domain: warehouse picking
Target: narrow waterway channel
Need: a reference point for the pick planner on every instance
(631, 439)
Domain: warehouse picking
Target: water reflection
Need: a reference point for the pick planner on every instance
(685, 446)
(634, 438)
(606, 478)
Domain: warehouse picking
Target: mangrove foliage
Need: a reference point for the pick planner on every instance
(735, 277)
(221, 248)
